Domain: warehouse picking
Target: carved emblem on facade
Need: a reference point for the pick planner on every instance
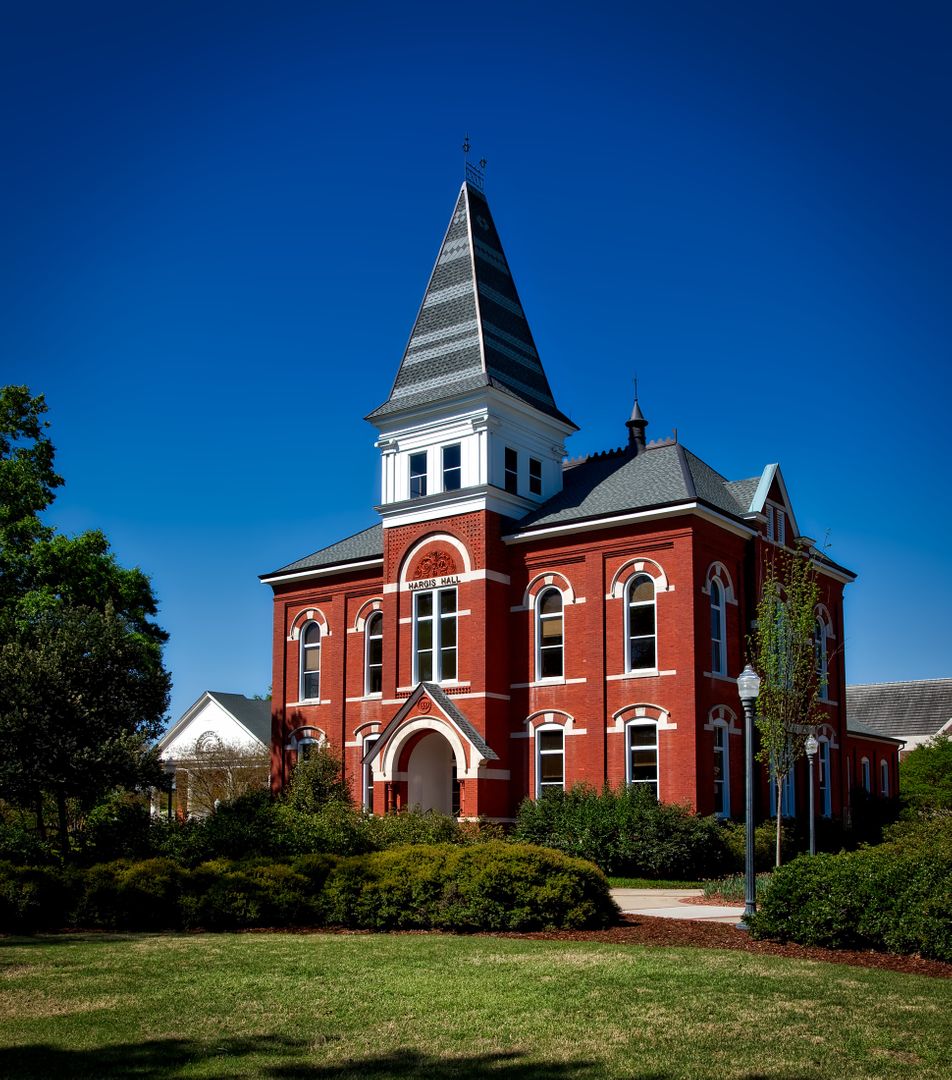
(424, 705)
(434, 564)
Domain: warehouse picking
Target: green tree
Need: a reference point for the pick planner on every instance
(925, 775)
(82, 695)
(784, 654)
(317, 781)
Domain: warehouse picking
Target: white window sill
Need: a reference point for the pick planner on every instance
(308, 701)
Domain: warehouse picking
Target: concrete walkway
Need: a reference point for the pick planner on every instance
(666, 904)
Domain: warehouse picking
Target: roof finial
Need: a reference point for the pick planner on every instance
(474, 174)
(636, 425)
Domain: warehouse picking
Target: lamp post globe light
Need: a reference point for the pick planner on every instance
(811, 746)
(748, 686)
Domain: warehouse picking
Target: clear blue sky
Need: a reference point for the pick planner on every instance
(218, 221)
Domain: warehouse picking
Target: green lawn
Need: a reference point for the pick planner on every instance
(415, 1005)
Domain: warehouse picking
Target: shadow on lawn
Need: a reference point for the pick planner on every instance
(278, 1057)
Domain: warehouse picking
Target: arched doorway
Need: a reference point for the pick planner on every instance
(431, 775)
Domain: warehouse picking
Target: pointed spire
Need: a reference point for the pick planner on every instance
(471, 330)
(636, 425)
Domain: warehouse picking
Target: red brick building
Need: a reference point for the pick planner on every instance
(516, 621)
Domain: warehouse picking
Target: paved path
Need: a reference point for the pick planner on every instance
(666, 904)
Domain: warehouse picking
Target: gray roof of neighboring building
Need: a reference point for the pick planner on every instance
(254, 714)
(619, 481)
(919, 707)
(361, 546)
(471, 330)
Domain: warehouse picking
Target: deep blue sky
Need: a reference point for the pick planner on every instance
(218, 221)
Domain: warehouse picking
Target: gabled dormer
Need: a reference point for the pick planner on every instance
(470, 422)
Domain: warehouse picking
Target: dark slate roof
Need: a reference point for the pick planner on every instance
(361, 546)
(900, 708)
(255, 715)
(618, 481)
(445, 702)
(743, 491)
(471, 330)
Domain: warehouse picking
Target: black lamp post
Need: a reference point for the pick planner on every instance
(748, 686)
(811, 746)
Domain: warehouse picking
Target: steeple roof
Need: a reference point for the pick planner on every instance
(471, 330)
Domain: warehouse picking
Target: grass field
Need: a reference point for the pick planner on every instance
(417, 1005)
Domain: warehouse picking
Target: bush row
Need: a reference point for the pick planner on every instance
(895, 897)
(488, 886)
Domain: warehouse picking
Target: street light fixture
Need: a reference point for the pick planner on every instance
(811, 746)
(748, 686)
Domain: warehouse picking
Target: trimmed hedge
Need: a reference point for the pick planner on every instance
(491, 886)
(891, 898)
(626, 832)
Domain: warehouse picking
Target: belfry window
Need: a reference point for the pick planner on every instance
(512, 470)
(535, 476)
(452, 468)
(373, 683)
(549, 660)
(640, 628)
(310, 688)
(434, 636)
(418, 475)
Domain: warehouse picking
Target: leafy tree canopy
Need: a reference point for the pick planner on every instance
(925, 775)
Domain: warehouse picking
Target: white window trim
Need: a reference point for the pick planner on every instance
(654, 668)
(375, 617)
(455, 468)
(723, 725)
(540, 678)
(643, 721)
(302, 654)
(539, 753)
(366, 772)
(436, 648)
(411, 475)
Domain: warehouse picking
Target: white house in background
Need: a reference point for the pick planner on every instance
(216, 722)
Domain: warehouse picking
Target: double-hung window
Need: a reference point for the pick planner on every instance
(434, 636)
(642, 754)
(550, 759)
(511, 472)
(640, 624)
(373, 683)
(535, 476)
(368, 777)
(452, 468)
(884, 778)
(310, 688)
(867, 778)
(821, 654)
(418, 475)
(549, 662)
(718, 650)
(823, 777)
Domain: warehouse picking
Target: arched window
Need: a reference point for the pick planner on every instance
(823, 777)
(373, 680)
(884, 778)
(641, 755)
(549, 641)
(640, 628)
(867, 778)
(821, 633)
(722, 772)
(550, 759)
(718, 644)
(367, 795)
(311, 662)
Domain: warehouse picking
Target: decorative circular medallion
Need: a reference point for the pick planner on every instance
(435, 563)
(425, 705)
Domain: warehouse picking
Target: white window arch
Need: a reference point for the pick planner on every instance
(373, 654)
(641, 753)
(310, 659)
(641, 638)
(550, 660)
(367, 778)
(718, 624)
(549, 758)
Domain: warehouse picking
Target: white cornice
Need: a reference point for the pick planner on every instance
(319, 571)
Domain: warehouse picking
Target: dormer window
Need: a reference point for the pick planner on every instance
(512, 471)
(418, 475)
(452, 468)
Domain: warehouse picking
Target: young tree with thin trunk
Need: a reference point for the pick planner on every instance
(784, 654)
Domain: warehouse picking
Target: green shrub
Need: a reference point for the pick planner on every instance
(423, 827)
(237, 896)
(889, 897)
(318, 782)
(36, 897)
(22, 846)
(734, 834)
(734, 887)
(124, 895)
(120, 827)
(625, 832)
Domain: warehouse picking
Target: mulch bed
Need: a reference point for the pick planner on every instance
(654, 930)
